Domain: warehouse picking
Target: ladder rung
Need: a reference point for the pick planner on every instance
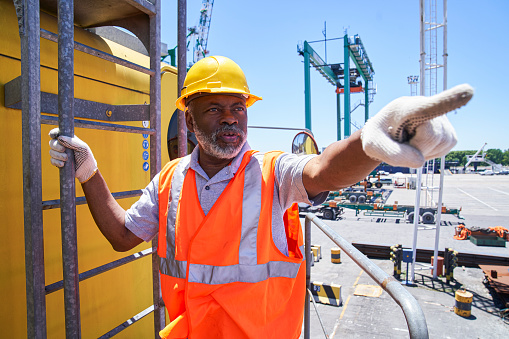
(101, 269)
(85, 109)
(129, 322)
(52, 120)
(50, 204)
(98, 53)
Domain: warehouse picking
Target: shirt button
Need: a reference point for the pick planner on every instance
(207, 187)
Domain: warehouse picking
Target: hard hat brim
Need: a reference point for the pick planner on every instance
(181, 101)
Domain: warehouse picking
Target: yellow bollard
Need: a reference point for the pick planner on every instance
(335, 255)
(463, 303)
(315, 253)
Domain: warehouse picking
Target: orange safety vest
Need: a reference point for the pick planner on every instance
(222, 276)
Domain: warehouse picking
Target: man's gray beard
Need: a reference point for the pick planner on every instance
(211, 147)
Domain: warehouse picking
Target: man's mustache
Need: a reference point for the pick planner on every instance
(229, 128)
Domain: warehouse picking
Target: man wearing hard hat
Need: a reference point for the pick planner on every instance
(230, 239)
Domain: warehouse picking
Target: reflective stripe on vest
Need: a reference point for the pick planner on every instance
(171, 267)
(247, 270)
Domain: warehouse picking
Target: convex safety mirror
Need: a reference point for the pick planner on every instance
(304, 143)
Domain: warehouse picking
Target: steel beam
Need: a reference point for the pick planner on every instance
(366, 100)
(155, 150)
(67, 173)
(347, 85)
(82, 108)
(307, 86)
(181, 73)
(308, 255)
(338, 109)
(29, 31)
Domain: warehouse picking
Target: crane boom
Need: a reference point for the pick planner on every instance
(202, 31)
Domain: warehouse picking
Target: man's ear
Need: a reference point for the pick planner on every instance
(189, 121)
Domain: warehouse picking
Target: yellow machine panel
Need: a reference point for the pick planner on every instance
(111, 298)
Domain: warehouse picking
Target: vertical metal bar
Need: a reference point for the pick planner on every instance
(422, 50)
(67, 181)
(422, 92)
(307, 87)
(338, 108)
(182, 71)
(29, 31)
(309, 257)
(155, 90)
(442, 160)
(416, 220)
(171, 54)
(347, 86)
(438, 219)
(155, 151)
(445, 45)
(366, 100)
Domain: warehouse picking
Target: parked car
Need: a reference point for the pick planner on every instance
(503, 172)
(487, 172)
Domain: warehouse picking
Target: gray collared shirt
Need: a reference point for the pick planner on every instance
(143, 216)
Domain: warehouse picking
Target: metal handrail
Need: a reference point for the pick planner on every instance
(415, 319)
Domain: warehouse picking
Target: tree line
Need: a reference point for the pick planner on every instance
(496, 155)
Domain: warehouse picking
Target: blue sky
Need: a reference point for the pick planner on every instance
(262, 37)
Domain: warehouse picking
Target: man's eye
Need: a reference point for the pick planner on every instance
(213, 109)
(240, 109)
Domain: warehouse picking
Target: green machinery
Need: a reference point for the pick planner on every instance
(427, 214)
(353, 49)
(367, 202)
(361, 195)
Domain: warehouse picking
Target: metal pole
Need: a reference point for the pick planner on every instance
(308, 255)
(338, 106)
(445, 45)
(416, 219)
(182, 71)
(442, 160)
(419, 170)
(155, 151)
(438, 219)
(155, 90)
(423, 50)
(67, 181)
(307, 86)
(347, 86)
(29, 31)
(366, 100)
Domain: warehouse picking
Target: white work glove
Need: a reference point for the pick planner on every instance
(84, 160)
(410, 130)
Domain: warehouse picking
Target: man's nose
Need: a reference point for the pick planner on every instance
(228, 117)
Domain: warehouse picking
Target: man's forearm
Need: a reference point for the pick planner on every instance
(108, 214)
(340, 165)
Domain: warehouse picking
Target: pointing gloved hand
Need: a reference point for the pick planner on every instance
(410, 130)
(85, 163)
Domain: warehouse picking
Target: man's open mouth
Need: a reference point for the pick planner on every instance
(229, 136)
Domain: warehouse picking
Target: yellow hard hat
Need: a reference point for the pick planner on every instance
(215, 74)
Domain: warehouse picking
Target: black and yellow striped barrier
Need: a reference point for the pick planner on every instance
(463, 304)
(326, 294)
(317, 252)
(335, 255)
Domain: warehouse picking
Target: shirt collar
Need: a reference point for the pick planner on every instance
(232, 167)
